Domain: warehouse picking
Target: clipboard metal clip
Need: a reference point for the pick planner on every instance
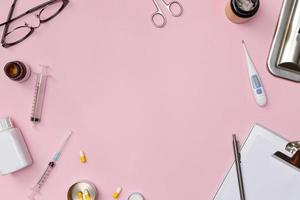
(294, 149)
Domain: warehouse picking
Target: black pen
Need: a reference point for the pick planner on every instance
(237, 158)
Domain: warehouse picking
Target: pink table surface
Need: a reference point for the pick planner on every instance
(154, 109)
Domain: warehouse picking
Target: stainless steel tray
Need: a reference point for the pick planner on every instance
(284, 56)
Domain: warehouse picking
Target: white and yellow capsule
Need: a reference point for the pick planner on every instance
(82, 157)
(80, 195)
(87, 195)
(117, 193)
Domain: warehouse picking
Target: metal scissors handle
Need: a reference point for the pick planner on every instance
(170, 7)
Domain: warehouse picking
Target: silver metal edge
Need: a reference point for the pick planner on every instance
(274, 52)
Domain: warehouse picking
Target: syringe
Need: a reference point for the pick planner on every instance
(39, 94)
(38, 186)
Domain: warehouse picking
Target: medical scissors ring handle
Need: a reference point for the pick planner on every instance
(159, 12)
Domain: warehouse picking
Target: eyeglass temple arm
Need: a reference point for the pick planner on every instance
(11, 10)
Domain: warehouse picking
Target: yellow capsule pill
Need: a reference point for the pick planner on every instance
(82, 157)
(79, 195)
(87, 195)
(117, 193)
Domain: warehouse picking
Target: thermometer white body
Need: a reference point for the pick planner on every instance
(257, 86)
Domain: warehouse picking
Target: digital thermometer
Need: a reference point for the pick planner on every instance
(257, 86)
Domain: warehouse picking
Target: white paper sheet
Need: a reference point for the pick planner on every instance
(265, 177)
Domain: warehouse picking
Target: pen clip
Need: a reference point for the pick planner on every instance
(240, 157)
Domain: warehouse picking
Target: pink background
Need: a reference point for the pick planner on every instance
(154, 109)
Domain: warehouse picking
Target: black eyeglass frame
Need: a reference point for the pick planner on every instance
(41, 7)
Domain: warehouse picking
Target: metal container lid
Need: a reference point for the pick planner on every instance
(239, 11)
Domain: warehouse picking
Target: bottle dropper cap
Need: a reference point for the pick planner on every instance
(5, 123)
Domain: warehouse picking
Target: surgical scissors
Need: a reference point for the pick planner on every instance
(170, 7)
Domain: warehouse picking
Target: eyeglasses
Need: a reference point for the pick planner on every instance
(48, 11)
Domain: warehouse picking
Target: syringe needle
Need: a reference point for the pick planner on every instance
(58, 153)
(36, 189)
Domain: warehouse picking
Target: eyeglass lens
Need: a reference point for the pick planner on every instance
(17, 35)
(50, 11)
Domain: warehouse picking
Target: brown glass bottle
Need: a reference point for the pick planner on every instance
(17, 71)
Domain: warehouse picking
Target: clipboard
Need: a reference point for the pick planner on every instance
(271, 169)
